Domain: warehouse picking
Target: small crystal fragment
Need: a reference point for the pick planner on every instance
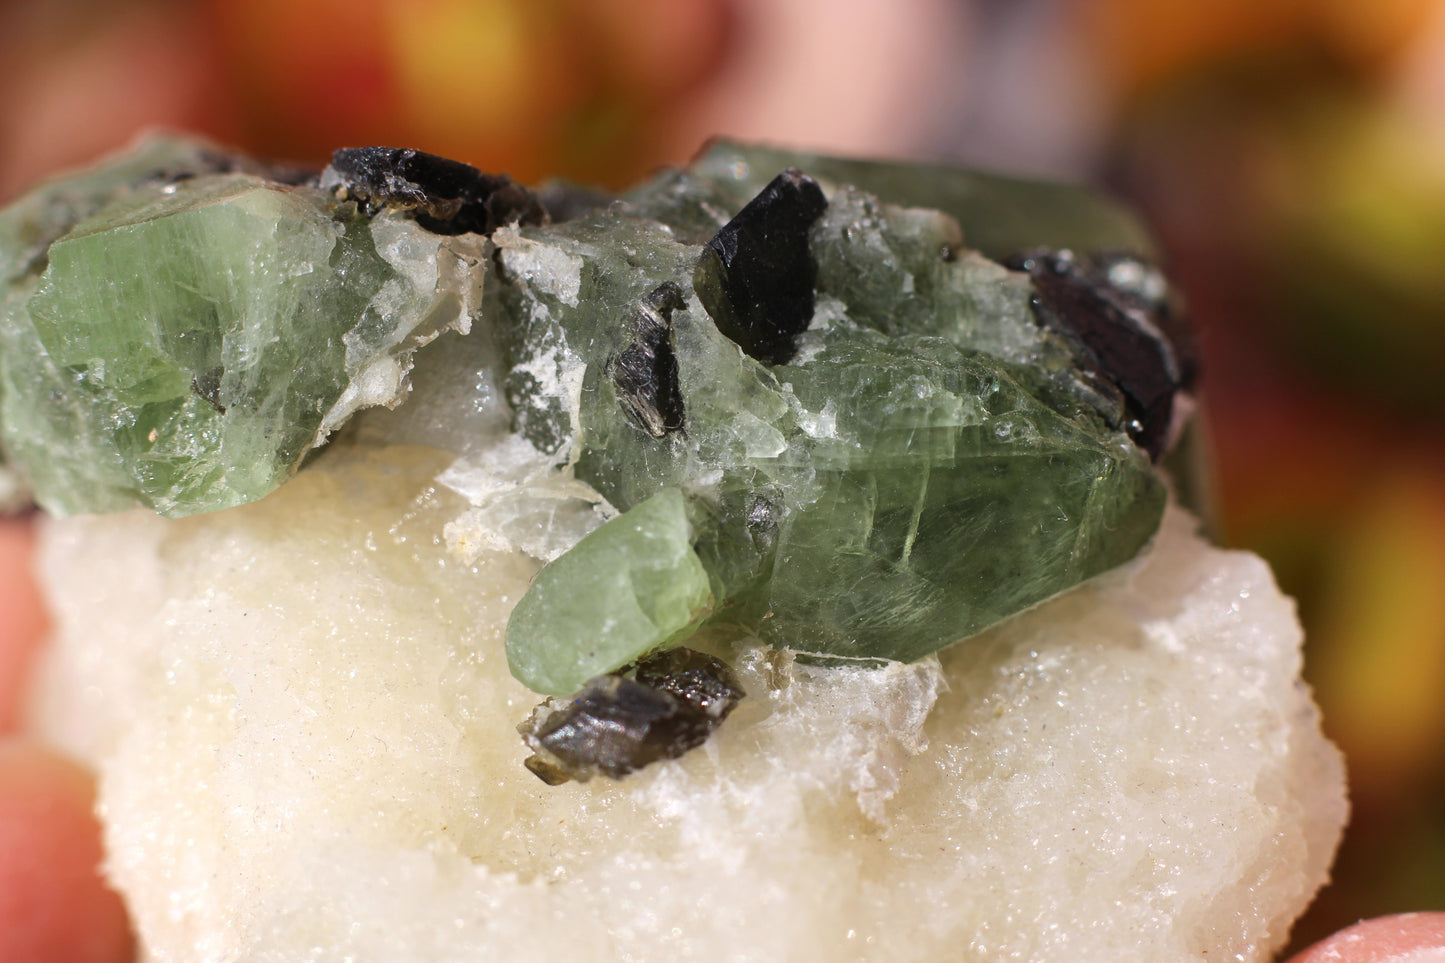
(756, 275)
(645, 372)
(668, 705)
(1120, 331)
(447, 196)
(634, 584)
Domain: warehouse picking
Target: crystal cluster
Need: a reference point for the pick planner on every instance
(816, 415)
(816, 419)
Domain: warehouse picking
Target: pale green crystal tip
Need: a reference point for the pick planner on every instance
(635, 577)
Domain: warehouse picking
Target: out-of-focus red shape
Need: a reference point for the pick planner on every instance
(1141, 43)
(1405, 938)
(54, 905)
(305, 74)
(589, 89)
(81, 80)
(22, 618)
(535, 88)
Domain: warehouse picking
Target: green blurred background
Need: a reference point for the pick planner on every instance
(1289, 153)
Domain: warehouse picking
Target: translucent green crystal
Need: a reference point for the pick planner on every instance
(635, 577)
(931, 461)
(185, 342)
(859, 409)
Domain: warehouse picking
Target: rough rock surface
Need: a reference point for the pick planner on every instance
(305, 728)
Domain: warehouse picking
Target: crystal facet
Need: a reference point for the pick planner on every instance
(189, 339)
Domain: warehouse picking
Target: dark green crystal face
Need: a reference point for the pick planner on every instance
(861, 410)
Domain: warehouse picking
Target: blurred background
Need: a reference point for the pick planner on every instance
(1289, 153)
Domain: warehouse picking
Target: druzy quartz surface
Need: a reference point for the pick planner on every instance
(860, 410)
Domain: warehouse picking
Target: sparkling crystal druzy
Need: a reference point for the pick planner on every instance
(861, 410)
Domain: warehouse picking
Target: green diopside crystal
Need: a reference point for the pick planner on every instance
(191, 338)
(635, 577)
(861, 410)
(932, 459)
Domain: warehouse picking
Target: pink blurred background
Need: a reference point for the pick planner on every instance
(1290, 154)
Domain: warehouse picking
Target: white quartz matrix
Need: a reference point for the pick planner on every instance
(305, 730)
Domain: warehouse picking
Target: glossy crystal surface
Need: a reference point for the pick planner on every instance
(806, 396)
(925, 459)
(192, 333)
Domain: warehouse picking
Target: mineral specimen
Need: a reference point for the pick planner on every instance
(823, 419)
(301, 706)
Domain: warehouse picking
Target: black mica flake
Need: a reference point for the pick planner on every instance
(1115, 310)
(756, 276)
(206, 385)
(666, 705)
(445, 196)
(645, 372)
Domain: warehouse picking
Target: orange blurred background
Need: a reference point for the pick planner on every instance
(1290, 154)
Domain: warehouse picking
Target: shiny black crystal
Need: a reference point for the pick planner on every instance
(756, 275)
(1123, 329)
(446, 196)
(668, 704)
(645, 372)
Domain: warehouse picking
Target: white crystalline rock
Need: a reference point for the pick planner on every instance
(545, 266)
(304, 725)
(437, 289)
(520, 500)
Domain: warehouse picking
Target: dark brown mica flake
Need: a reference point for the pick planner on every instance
(645, 372)
(660, 708)
(1124, 333)
(445, 196)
